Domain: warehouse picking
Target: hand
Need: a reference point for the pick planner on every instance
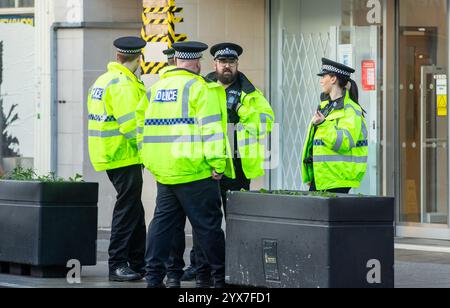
(319, 118)
(309, 184)
(217, 176)
(236, 107)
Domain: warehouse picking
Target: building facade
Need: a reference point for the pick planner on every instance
(400, 50)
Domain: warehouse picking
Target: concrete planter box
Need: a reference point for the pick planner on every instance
(287, 241)
(45, 225)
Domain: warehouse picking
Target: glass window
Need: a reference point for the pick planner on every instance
(7, 3)
(26, 3)
(302, 32)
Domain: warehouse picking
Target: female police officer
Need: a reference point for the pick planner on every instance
(335, 153)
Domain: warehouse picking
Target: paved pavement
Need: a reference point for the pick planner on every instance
(429, 268)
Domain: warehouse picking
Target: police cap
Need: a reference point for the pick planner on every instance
(129, 45)
(189, 50)
(226, 50)
(338, 69)
(170, 53)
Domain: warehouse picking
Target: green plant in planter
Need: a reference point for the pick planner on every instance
(322, 194)
(21, 174)
(76, 179)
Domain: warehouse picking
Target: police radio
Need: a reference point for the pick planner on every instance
(327, 109)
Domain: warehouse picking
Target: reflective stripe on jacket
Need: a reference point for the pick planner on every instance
(256, 119)
(339, 147)
(112, 103)
(182, 129)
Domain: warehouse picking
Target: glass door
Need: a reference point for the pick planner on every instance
(423, 119)
(434, 146)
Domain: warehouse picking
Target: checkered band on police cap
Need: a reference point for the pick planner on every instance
(184, 55)
(170, 53)
(227, 52)
(332, 69)
(129, 51)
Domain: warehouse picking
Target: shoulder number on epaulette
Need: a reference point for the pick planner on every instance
(97, 93)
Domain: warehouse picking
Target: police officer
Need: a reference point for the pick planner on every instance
(170, 53)
(336, 151)
(112, 103)
(184, 145)
(175, 264)
(250, 118)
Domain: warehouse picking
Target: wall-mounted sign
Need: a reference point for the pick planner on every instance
(17, 19)
(369, 77)
(345, 54)
(441, 95)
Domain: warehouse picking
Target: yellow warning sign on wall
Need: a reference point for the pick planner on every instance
(441, 96)
(442, 105)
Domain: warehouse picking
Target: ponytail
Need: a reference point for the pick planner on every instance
(350, 85)
(353, 91)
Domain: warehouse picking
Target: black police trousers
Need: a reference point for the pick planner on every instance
(175, 265)
(200, 202)
(227, 184)
(198, 261)
(128, 230)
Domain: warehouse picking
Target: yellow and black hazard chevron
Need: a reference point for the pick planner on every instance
(162, 38)
(160, 21)
(170, 37)
(162, 10)
(152, 68)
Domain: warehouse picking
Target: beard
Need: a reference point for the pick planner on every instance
(227, 77)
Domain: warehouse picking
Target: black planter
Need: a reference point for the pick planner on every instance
(283, 241)
(45, 225)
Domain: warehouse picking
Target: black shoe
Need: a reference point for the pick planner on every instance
(156, 286)
(189, 274)
(124, 274)
(173, 283)
(140, 271)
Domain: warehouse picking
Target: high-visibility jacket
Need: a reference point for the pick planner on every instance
(112, 104)
(182, 129)
(339, 148)
(166, 69)
(256, 119)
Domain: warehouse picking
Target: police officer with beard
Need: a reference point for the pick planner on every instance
(250, 118)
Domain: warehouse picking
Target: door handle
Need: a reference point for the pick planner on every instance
(435, 145)
(436, 140)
